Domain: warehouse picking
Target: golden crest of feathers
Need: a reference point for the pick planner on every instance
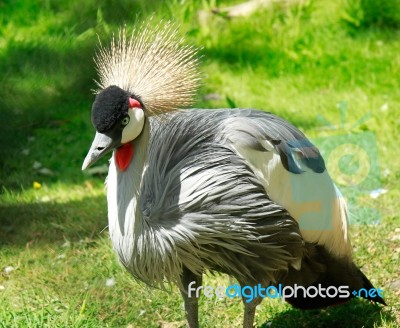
(153, 64)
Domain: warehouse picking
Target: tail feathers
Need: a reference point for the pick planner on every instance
(368, 286)
(337, 279)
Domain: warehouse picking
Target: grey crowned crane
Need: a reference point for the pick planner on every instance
(237, 191)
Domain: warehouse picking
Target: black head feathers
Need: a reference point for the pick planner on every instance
(110, 105)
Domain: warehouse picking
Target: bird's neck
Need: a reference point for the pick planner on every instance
(123, 196)
(142, 247)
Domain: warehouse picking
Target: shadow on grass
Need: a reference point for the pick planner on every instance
(49, 222)
(355, 313)
(45, 101)
(42, 85)
(47, 76)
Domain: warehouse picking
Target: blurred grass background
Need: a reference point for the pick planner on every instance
(330, 68)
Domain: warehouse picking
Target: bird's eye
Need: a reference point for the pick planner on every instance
(125, 120)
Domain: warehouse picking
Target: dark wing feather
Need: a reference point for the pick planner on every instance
(247, 127)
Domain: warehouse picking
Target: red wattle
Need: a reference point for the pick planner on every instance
(123, 156)
(133, 103)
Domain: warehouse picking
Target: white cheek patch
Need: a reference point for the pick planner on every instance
(135, 125)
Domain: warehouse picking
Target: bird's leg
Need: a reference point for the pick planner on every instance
(190, 297)
(250, 311)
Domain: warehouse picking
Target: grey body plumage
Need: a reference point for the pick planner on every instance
(225, 216)
(198, 190)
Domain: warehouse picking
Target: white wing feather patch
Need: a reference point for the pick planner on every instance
(311, 198)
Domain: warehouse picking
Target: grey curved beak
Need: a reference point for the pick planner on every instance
(101, 145)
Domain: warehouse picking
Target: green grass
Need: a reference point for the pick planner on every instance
(301, 63)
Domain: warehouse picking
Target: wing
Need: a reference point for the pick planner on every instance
(293, 173)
